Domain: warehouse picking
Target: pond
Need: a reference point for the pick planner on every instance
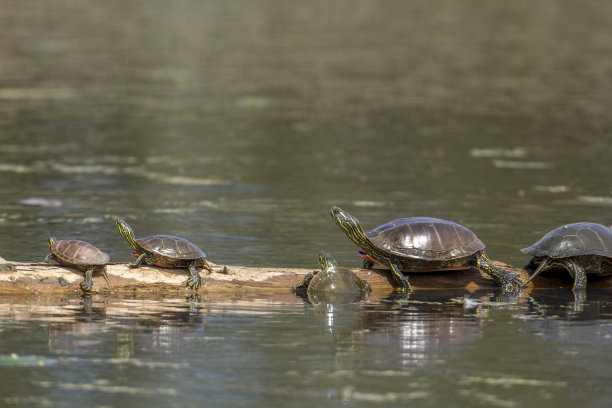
(237, 125)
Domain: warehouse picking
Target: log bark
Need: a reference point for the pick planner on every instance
(23, 277)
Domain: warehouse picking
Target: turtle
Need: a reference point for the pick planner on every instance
(166, 251)
(578, 248)
(79, 255)
(332, 280)
(422, 244)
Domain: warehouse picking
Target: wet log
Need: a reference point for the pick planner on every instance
(23, 277)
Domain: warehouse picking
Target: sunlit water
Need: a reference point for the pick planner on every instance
(237, 125)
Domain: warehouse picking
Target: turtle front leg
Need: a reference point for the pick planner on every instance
(396, 271)
(87, 284)
(542, 266)
(139, 261)
(302, 287)
(367, 287)
(49, 258)
(508, 280)
(194, 280)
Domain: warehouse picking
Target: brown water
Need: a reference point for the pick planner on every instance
(237, 125)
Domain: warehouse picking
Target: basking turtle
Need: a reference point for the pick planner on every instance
(79, 255)
(331, 281)
(580, 248)
(421, 244)
(166, 251)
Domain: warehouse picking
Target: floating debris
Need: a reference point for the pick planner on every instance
(514, 153)
(595, 200)
(368, 203)
(37, 93)
(14, 360)
(552, 189)
(511, 381)
(253, 102)
(522, 165)
(102, 385)
(42, 202)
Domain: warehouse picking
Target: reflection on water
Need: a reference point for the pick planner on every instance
(434, 348)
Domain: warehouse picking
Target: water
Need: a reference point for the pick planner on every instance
(237, 125)
(435, 350)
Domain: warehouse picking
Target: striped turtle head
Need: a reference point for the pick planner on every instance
(127, 233)
(351, 226)
(326, 261)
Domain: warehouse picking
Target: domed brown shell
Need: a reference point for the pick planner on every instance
(425, 238)
(171, 247)
(581, 238)
(79, 253)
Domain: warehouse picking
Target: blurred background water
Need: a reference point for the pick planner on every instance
(238, 124)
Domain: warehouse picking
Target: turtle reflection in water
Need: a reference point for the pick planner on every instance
(422, 244)
(332, 283)
(79, 255)
(579, 248)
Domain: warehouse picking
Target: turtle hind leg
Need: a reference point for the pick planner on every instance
(194, 280)
(302, 287)
(508, 280)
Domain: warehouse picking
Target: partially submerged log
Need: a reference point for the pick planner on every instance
(23, 277)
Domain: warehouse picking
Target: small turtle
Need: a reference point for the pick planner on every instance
(79, 255)
(422, 244)
(166, 251)
(579, 248)
(331, 281)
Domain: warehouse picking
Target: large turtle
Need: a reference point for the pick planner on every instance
(421, 244)
(79, 255)
(166, 251)
(579, 248)
(332, 282)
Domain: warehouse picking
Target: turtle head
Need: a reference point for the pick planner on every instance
(52, 240)
(350, 225)
(127, 233)
(326, 261)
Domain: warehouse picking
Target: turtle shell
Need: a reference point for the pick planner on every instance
(171, 247)
(429, 239)
(581, 238)
(425, 238)
(79, 253)
(338, 280)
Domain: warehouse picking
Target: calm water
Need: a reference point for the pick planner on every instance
(237, 125)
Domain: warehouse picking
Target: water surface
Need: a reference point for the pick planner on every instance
(237, 125)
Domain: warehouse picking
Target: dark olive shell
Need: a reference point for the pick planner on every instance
(581, 238)
(171, 247)
(78, 253)
(425, 238)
